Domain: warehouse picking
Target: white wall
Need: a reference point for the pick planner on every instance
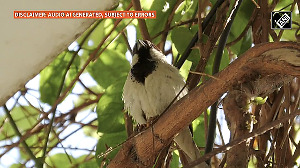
(28, 45)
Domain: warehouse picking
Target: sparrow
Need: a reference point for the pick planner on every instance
(150, 87)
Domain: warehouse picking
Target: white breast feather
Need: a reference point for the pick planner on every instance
(132, 102)
(160, 88)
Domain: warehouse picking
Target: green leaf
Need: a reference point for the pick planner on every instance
(110, 108)
(260, 100)
(213, 1)
(89, 164)
(240, 22)
(25, 118)
(125, 4)
(96, 35)
(210, 63)
(53, 75)
(89, 131)
(35, 142)
(224, 61)
(86, 164)
(199, 131)
(162, 8)
(110, 119)
(60, 160)
(175, 160)
(94, 38)
(108, 69)
(16, 166)
(185, 11)
(72, 73)
(185, 69)
(109, 140)
(181, 37)
(119, 44)
(246, 42)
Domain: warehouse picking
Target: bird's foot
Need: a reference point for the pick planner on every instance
(142, 127)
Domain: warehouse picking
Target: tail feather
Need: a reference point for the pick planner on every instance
(185, 142)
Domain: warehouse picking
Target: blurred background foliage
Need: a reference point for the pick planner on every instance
(82, 87)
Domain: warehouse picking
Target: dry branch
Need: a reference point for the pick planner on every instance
(239, 119)
(268, 58)
(142, 23)
(238, 114)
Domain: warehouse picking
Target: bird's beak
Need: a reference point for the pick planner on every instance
(139, 44)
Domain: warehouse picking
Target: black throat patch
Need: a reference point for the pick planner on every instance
(145, 65)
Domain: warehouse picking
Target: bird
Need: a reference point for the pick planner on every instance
(151, 86)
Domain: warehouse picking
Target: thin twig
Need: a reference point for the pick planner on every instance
(215, 32)
(38, 162)
(237, 141)
(194, 20)
(192, 43)
(67, 136)
(255, 11)
(86, 88)
(80, 72)
(167, 26)
(54, 107)
(216, 66)
(257, 6)
(127, 43)
(204, 74)
(220, 132)
(141, 22)
(87, 62)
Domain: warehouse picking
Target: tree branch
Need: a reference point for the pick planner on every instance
(194, 40)
(142, 24)
(216, 66)
(37, 161)
(215, 33)
(264, 59)
(240, 140)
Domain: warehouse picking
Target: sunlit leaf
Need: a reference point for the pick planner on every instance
(106, 141)
(175, 160)
(89, 164)
(25, 117)
(108, 69)
(53, 76)
(181, 37)
(162, 8)
(95, 37)
(16, 165)
(60, 160)
(246, 42)
(83, 163)
(110, 108)
(185, 11)
(199, 131)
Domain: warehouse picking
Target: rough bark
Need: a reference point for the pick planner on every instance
(238, 114)
(268, 58)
